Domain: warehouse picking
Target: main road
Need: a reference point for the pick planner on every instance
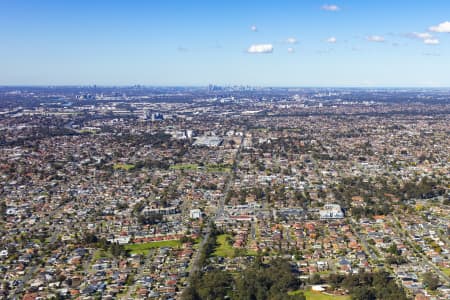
(363, 240)
(195, 265)
(425, 259)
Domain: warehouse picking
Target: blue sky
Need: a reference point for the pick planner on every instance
(180, 42)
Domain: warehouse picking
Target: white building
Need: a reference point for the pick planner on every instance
(195, 214)
(331, 211)
(208, 141)
(121, 240)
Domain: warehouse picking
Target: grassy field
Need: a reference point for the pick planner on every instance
(224, 168)
(310, 295)
(223, 248)
(252, 252)
(446, 271)
(208, 168)
(184, 167)
(125, 167)
(101, 254)
(88, 131)
(145, 247)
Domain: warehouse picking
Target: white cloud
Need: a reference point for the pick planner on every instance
(444, 27)
(375, 38)
(291, 40)
(254, 28)
(332, 40)
(426, 37)
(422, 35)
(330, 7)
(431, 54)
(431, 41)
(291, 50)
(260, 48)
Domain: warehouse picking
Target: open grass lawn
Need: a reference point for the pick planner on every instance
(223, 168)
(310, 295)
(446, 271)
(252, 252)
(184, 167)
(125, 167)
(88, 131)
(208, 168)
(223, 248)
(145, 247)
(101, 254)
(196, 244)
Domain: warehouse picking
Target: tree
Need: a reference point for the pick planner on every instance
(367, 286)
(315, 279)
(362, 293)
(335, 280)
(190, 293)
(431, 281)
(2, 210)
(297, 296)
(130, 279)
(90, 238)
(117, 250)
(271, 281)
(393, 250)
(215, 284)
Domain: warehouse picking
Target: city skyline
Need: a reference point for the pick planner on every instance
(288, 43)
